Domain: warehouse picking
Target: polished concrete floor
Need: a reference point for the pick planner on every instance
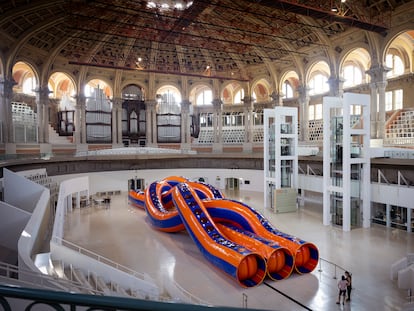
(123, 234)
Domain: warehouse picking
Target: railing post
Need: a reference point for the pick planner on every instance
(244, 300)
(334, 273)
(320, 265)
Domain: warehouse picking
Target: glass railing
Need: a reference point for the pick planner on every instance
(101, 152)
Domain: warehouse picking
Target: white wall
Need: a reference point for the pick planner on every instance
(118, 180)
(393, 194)
(12, 223)
(20, 192)
(32, 237)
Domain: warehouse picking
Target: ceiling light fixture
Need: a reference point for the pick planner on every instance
(169, 5)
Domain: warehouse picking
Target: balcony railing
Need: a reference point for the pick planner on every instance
(29, 299)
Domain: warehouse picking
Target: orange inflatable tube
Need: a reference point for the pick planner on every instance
(247, 267)
(279, 260)
(241, 215)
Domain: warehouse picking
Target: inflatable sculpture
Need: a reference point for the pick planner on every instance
(230, 234)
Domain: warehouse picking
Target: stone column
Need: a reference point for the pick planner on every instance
(151, 123)
(119, 132)
(373, 109)
(42, 101)
(248, 124)
(303, 111)
(217, 126)
(116, 122)
(185, 125)
(80, 122)
(381, 109)
(6, 95)
(277, 99)
(336, 86)
(378, 84)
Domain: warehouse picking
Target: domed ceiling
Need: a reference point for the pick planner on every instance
(219, 38)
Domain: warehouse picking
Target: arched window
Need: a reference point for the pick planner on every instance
(260, 92)
(318, 84)
(29, 85)
(169, 102)
(168, 115)
(287, 90)
(395, 63)
(205, 97)
(132, 92)
(352, 75)
(98, 114)
(238, 97)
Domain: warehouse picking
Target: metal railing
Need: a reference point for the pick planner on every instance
(191, 298)
(11, 272)
(331, 267)
(100, 258)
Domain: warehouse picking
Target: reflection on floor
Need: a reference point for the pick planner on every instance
(122, 234)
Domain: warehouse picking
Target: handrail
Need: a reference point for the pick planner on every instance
(57, 300)
(192, 298)
(43, 280)
(336, 267)
(143, 276)
(99, 258)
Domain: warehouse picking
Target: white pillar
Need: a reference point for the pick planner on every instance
(409, 213)
(388, 215)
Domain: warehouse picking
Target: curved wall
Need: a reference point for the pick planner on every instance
(118, 180)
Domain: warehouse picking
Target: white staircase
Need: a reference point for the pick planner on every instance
(55, 139)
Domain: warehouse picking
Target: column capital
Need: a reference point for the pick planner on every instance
(80, 100)
(117, 102)
(336, 85)
(42, 91)
(276, 98)
(217, 102)
(378, 73)
(185, 105)
(151, 103)
(6, 85)
(303, 91)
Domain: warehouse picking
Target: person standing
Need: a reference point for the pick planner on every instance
(342, 284)
(348, 278)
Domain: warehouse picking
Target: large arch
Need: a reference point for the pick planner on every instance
(22, 72)
(229, 92)
(402, 46)
(360, 59)
(261, 90)
(291, 78)
(318, 69)
(201, 89)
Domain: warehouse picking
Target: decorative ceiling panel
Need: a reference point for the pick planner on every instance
(224, 36)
